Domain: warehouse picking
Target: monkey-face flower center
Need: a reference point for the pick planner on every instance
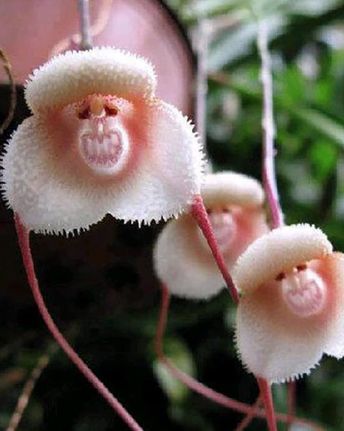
(304, 292)
(224, 227)
(103, 143)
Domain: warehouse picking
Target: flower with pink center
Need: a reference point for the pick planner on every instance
(182, 258)
(291, 310)
(99, 142)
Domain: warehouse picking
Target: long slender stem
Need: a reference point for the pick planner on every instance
(199, 387)
(85, 26)
(189, 381)
(249, 417)
(25, 395)
(268, 168)
(201, 46)
(199, 213)
(268, 174)
(24, 244)
(265, 392)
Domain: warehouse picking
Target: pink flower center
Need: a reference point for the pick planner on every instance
(224, 228)
(304, 292)
(103, 142)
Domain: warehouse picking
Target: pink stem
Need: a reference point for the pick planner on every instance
(268, 168)
(189, 381)
(24, 244)
(200, 388)
(199, 213)
(265, 392)
(249, 417)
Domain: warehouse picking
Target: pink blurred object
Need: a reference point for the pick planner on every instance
(32, 31)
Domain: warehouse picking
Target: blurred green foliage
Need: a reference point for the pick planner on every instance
(307, 45)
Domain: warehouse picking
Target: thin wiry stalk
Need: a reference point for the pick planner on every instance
(266, 395)
(24, 244)
(201, 41)
(199, 213)
(249, 417)
(268, 174)
(85, 26)
(268, 125)
(13, 99)
(97, 27)
(200, 388)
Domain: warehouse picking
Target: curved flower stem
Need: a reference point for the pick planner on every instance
(268, 125)
(200, 388)
(199, 213)
(97, 27)
(84, 14)
(201, 42)
(189, 381)
(248, 418)
(265, 392)
(24, 244)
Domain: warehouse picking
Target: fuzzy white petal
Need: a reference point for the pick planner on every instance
(53, 192)
(182, 257)
(180, 263)
(335, 341)
(231, 187)
(45, 201)
(278, 345)
(279, 251)
(169, 174)
(70, 77)
(268, 347)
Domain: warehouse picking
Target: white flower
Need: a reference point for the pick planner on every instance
(99, 142)
(292, 307)
(182, 257)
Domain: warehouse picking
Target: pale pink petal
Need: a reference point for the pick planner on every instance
(169, 172)
(70, 77)
(273, 341)
(279, 251)
(182, 264)
(334, 267)
(238, 189)
(47, 181)
(47, 197)
(182, 257)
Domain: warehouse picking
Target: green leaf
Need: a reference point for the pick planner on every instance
(180, 356)
(322, 123)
